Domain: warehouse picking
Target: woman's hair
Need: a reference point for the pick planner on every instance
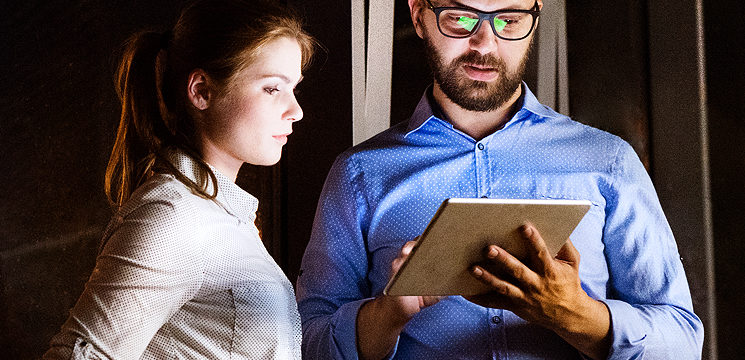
(221, 37)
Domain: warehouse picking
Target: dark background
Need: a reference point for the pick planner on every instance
(632, 71)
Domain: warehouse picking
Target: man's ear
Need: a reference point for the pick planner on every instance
(199, 89)
(416, 7)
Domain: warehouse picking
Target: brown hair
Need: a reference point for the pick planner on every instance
(221, 37)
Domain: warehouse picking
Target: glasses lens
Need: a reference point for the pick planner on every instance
(458, 23)
(513, 25)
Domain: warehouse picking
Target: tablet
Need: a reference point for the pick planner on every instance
(460, 230)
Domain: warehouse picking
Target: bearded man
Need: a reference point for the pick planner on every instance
(478, 131)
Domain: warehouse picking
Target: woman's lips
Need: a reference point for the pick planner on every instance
(481, 73)
(282, 139)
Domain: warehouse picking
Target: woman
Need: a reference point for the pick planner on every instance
(182, 272)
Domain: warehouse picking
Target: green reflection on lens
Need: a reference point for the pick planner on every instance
(467, 22)
(499, 24)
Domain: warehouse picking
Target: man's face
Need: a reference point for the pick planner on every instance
(481, 72)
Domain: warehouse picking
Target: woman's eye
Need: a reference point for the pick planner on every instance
(271, 90)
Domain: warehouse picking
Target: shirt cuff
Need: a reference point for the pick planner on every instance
(345, 331)
(628, 334)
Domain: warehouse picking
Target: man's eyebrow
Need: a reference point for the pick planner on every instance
(462, 5)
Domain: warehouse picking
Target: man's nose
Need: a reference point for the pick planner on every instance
(483, 40)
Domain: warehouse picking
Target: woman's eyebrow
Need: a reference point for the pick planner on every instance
(283, 77)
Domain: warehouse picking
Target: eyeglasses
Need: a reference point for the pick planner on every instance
(456, 22)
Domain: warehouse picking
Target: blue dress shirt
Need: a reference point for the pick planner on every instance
(383, 192)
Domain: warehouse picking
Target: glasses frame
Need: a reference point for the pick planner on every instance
(535, 12)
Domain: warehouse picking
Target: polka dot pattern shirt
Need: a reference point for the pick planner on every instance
(182, 277)
(383, 192)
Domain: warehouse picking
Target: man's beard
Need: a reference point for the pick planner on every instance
(475, 95)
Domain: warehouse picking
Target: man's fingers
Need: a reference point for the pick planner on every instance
(427, 301)
(537, 249)
(510, 265)
(406, 249)
(569, 254)
(498, 285)
(402, 255)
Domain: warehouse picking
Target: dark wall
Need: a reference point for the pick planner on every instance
(58, 116)
(725, 64)
(326, 129)
(58, 112)
(608, 75)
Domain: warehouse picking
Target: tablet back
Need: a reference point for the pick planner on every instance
(460, 231)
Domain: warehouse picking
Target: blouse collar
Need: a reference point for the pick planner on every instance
(230, 196)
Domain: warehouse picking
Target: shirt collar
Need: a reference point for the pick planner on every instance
(230, 196)
(428, 109)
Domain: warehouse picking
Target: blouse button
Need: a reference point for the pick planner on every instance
(480, 146)
(496, 319)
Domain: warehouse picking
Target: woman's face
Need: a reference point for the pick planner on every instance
(250, 122)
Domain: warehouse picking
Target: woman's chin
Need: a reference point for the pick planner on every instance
(266, 160)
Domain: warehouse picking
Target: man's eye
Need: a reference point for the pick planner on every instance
(271, 90)
(467, 23)
(500, 24)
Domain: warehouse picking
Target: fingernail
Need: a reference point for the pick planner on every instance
(477, 271)
(493, 252)
(527, 230)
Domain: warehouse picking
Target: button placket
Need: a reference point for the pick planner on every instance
(497, 332)
(482, 169)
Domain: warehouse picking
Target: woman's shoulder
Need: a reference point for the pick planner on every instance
(163, 198)
(160, 216)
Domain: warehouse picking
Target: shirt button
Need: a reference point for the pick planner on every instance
(484, 197)
(480, 146)
(496, 319)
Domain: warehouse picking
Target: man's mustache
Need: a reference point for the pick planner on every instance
(475, 58)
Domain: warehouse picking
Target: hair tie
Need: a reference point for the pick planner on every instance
(165, 39)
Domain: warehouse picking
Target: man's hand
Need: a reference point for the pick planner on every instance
(380, 321)
(409, 305)
(547, 291)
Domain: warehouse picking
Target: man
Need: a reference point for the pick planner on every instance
(480, 132)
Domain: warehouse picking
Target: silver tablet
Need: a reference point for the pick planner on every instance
(460, 231)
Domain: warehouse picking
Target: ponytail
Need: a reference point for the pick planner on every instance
(220, 37)
(143, 138)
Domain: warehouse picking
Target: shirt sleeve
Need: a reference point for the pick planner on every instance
(333, 279)
(148, 268)
(649, 300)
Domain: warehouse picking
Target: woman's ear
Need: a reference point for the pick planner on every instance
(199, 89)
